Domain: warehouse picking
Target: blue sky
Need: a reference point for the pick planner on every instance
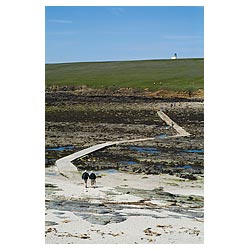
(85, 34)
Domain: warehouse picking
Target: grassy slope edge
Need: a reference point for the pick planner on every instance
(173, 75)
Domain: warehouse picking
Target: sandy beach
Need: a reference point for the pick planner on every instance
(123, 208)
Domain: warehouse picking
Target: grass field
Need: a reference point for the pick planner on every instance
(176, 75)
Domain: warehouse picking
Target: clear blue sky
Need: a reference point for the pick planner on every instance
(84, 34)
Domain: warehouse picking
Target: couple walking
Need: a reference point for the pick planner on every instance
(91, 176)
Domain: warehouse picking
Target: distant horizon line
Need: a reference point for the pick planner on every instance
(131, 60)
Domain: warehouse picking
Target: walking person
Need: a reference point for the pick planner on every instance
(92, 178)
(85, 177)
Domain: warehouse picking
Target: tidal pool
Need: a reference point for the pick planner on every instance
(129, 162)
(184, 167)
(194, 151)
(60, 148)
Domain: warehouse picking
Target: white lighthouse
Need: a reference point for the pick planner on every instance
(174, 57)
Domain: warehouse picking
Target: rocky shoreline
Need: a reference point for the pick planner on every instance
(147, 192)
(80, 123)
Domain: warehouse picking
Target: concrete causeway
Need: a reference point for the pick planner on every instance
(180, 131)
(69, 170)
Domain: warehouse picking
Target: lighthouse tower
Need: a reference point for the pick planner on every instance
(174, 57)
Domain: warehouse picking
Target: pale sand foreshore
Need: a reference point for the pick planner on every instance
(75, 214)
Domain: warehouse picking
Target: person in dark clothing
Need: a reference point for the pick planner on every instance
(85, 177)
(92, 178)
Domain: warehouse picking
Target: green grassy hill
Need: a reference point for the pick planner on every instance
(176, 75)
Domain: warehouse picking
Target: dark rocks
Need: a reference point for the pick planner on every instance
(92, 212)
(50, 223)
(48, 185)
(72, 119)
(188, 176)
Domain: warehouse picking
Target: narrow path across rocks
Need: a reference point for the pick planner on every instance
(69, 170)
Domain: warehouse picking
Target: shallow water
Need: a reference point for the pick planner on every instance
(184, 167)
(129, 162)
(194, 151)
(60, 148)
